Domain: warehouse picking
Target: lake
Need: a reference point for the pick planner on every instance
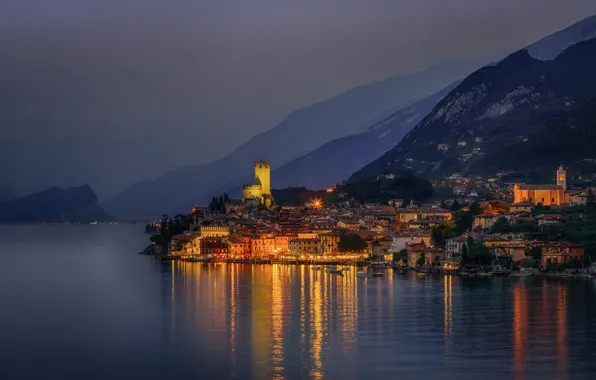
(78, 302)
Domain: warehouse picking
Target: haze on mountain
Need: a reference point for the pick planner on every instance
(112, 92)
(525, 114)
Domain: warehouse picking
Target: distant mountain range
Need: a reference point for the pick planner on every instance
(76, 204)
(300, 133)
(338, 159)
(502, 116)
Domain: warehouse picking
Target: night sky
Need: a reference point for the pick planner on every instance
(109, 92)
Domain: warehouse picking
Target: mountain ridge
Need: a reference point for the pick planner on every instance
(296, 135)
(493, 108)
(54, 205)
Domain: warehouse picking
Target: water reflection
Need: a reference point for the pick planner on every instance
(284, 322)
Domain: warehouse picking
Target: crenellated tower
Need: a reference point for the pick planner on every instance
(263, 176)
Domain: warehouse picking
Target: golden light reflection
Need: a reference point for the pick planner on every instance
(233, 317)
(448, 310)
(260, 322)
(562, 331)
(520, 329)
(277, 322)
(316, 328)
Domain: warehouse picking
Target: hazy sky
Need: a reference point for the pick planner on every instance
(112, 91)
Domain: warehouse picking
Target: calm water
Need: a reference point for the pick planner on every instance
(78, 302)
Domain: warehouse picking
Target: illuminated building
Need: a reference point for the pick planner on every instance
(259, 192)
(547, 195)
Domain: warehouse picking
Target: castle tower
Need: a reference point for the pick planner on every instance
(562, 177)
(263, 176)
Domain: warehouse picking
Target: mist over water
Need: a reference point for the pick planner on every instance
(78, 302)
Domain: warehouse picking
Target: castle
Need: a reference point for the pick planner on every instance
(548, 195)
(260, 191)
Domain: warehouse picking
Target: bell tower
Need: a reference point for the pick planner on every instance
(562, 177)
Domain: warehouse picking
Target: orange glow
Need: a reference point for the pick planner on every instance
(317, 203)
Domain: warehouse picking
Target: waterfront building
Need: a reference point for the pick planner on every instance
(263, 245)
(560, 252)
(330, 241)
(414, 251)
(305, 246)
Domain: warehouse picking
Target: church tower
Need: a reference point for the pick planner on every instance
(562, 177)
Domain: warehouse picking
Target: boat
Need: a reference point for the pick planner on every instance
(316, 267)
(337, 272)
(420, 274)
(464, 274)
(378, 274)
(331, 268)
(400, 270)
(346, 269)
(361, 274)
(498, 270)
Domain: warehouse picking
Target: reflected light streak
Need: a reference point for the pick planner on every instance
(277, 324)
(520, 329)
(448, 309)
(562, 331)
(316, 302)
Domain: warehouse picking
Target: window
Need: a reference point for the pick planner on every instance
(552, 200)
(542, 200)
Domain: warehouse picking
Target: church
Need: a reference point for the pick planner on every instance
(259, 192)
(547, 195)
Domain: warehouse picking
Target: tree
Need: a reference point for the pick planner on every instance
(501, 226)
(476, 209)
(536, 253)
(456, 206)
(351, 243)
(591, 203)
(420, 262)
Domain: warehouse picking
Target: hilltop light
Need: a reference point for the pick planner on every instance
(317, 203)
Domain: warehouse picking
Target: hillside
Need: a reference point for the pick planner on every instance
(338, 159)
(301, 132)
(76, 204)
(491, 110)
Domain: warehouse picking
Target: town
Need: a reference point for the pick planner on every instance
(478, 227)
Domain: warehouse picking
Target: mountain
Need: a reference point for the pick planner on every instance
(491, 110)
(76, 204)
(338, 159)
(550, 47)
(301, 132)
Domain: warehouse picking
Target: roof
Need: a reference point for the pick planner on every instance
(235, 239)
(549, 216)
(539, 187)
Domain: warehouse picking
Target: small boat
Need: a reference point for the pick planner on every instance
(378, 274)
(361, 274)
(464, 274)
(483, 274)
(498, 270)
(420, 274)
(316, 267)
(400, 270)
(337, 272)
(346, 269)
